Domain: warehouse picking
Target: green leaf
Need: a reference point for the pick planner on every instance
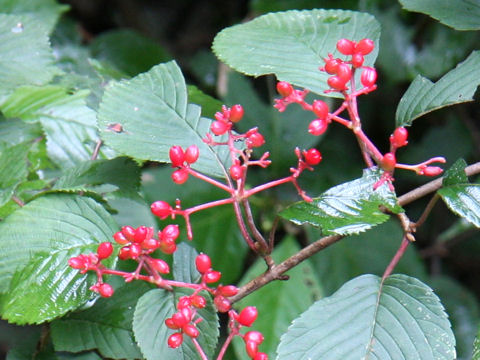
(459, 14)
(184, 264)
(346, 209)
(152, 333)
(456, 174)
(154, 115)
(36, 242)
(365, 318)
(209, 104)
(129, 51)
(13, 169)
(14, 131)
(293, 44)
(476, 348)
(69, 124)
(107, 326)
(463, 200)
(455, 87)
(48, 11)
(279, 302)
(25, 54)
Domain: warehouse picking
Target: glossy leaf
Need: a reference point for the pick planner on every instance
(13, 169)
(279, 302)
(456, 174)
(346, 209)
(459, 14)
(455, 87)
(145, 116)
(184, 264)
(107, 326)
(69, 124)
(36, 242)
(151, 332)
(25, 54)
(293, 44)
(366, 318)
(463, 200)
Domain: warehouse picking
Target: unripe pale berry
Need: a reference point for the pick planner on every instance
(364, 46)
(236, 113)
(203, 263)
(160, 265)
(312, 157)
(105, 290)
(284, 88)
(399, 137)
(320, 109)
(345, 46)
(247, 316)
(104, 250)
(317, 127)
(236, 172)
(368, 77)
(175, 340)
(177, 156)
(389, 161)
(162, 209)
(180, 176)
(219, 127)
(191, 154)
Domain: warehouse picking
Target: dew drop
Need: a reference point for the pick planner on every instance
(17, 29)
(135, 108)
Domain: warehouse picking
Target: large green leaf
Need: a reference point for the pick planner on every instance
(13, 169)
(107, 326)
(69, 124)
(455, 87)
(293, 44)
(184, 264)
(36, 242)
(459, 14)
(399, 319)
(154, 115)
(25, 54)
(463, 200)
(151, 332)
(348, 208)
(279, 302)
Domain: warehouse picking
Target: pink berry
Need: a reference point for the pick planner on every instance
(105, 290)
(140, 234)
(219, 127)
(345, 46)
(212, 276)
(191, 330)
(247, 316)
(175, 340)
(161, 209)
(254, 336)
(336, 83)
(180, 176)
(317, 127)
(76, 263)
(331, 65)
(389, 161)
(171, 324)
(150, 244)
(236, 113)
(199, 301)
(168, 246)
(120, 238)
(344, 72)
(320, 109)
(368, 77)
(251, 349)
(432, 171)
(179, 319)
(177, 156)
(203, 263)
(191, 154)
(222, 304)
(170, 232)
(284, 88)
(260, 356)
(160, 265)
(364, 46)
(228, 290)
(104, 250)
(399, 137)
(357, 60)
(124, 253)
(236, 172)
(312, 157)
(255, 140)
(135, 251)
(129, 232)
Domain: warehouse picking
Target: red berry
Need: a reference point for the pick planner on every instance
(317, 127)
(247, 316)
(129, 232)
(168, 246)
(251, 348)
(191, 330)
(221, 303)
(177, 156)
(236, 172)
(219, 127)
(105, 290)
(312, 157)
(76, 263)
(175, 340)
(191, 154)
(320, 108)
(161, 209)
(399, 137)
(368, 77)
(150, 244)
(364, 46)
(336, 83)
(344, 72)
(203, 263)
(212, 276)
(228, 290)
(345, 46)
(124, 253)
(135, 251)
(331, 65)
(171, 324)
(120, 238)
(199, 301)
(255, 336)
(179, 319)
(236, 113)
(140, 234)
(255, 140)
(104, 250)
(432, 171)
(389, 161)
(284, 88)
(170, 232)
(261, 356)
(160, 265)
(357, 60)
(180, 176)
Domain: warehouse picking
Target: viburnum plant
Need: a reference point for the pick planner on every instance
(112, 277)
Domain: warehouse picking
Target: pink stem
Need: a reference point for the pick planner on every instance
(225, 345)
(210, 180)
(398, 255)
(199, 349)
